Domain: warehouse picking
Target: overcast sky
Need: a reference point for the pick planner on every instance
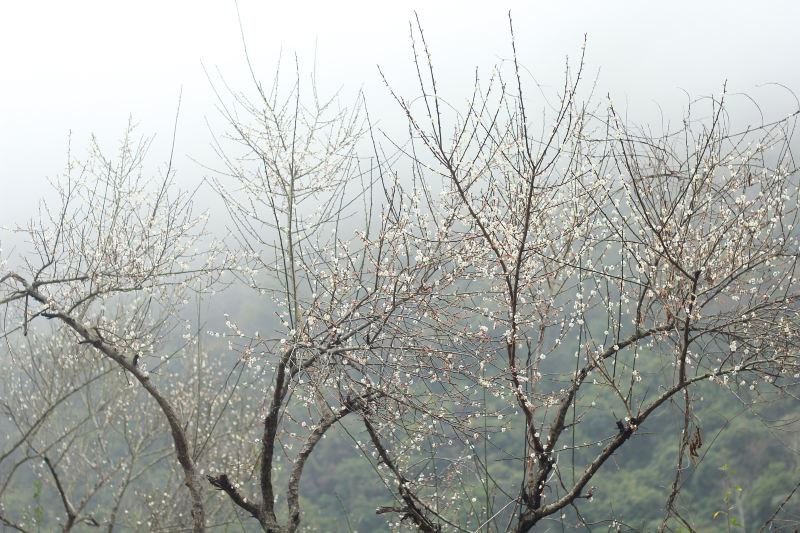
(86, 66)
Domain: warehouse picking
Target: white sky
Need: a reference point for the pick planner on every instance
(86, 66)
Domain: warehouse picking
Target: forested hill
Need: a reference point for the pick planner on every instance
(743, 470)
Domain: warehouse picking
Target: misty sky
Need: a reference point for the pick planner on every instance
(86, 66)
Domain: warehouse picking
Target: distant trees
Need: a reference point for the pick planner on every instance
(495, 273)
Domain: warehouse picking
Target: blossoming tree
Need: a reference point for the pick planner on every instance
(553, 280)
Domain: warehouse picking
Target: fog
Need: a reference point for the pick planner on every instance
(86, 67)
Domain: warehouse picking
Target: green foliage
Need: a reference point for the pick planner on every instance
(742, 474)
